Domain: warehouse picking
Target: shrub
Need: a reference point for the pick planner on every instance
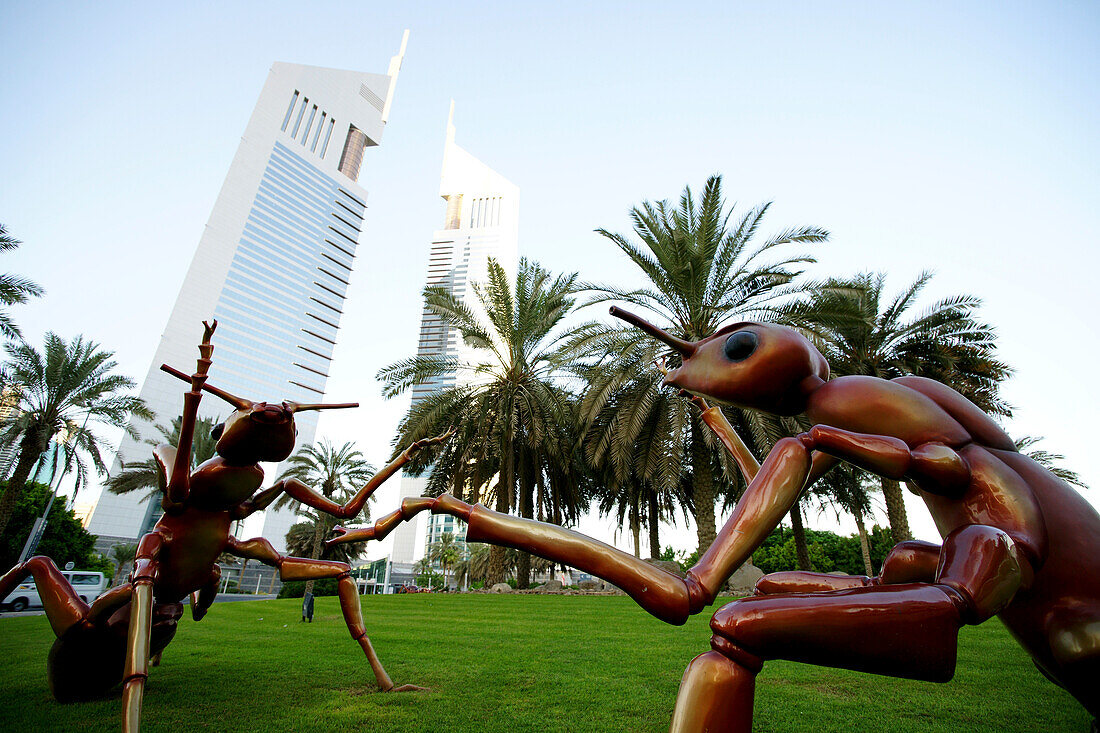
(297, 588)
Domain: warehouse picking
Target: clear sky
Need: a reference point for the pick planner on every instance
(957, 137)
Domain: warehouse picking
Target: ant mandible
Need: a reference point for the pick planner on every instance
(114, 639)
(1018, 542)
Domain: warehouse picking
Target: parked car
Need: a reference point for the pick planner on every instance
(87, 583)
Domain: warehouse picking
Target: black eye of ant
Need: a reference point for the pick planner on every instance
(740, 345)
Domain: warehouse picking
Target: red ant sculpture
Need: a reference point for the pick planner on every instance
(1018, 542)
(113, 640)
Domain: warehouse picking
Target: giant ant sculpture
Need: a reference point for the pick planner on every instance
(1018, 542)
(113, 639)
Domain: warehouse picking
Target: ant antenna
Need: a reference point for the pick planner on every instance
(684, 348)
(238, 402)
(296, 407)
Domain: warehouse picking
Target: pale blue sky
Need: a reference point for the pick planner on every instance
(956, 137)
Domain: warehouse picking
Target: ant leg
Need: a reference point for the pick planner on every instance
(912, 561)
(140, 629)
(63, 606)
(804, 581)
(204, 596)
(300, 568)
(716, 693)
(906, 630)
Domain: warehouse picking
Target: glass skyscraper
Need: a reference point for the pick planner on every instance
(273, 267)
(481, 220)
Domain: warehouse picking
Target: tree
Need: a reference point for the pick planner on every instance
(508, 409)
(142, 475)
(63, 540)
(13, 288)
(444, 553)
(65, 391)
(301, 536)
(123, 555)
(703, 270)
(333, 472)
(1050, 461)
(861, 333)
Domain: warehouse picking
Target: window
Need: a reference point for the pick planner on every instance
(328, 134)
(317, 135)
(289, 110)
(309, 124)
(301, 113)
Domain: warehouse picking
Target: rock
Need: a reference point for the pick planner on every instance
(590, 584)
(744, 580)
(551, 585)
(501, 588)
(669, 566)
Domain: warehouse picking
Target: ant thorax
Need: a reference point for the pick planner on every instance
(216, 485)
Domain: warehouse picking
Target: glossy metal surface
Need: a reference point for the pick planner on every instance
(1019, 542)
(113, 640)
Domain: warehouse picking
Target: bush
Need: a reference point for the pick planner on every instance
(297, 588)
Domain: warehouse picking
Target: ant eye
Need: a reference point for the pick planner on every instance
(739, 346)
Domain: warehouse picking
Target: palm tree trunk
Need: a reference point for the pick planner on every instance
(895, 510)
(318, 536)
(30, 449)
(864, 544)
(702, 490)
(635, 525)
(526, 510)
(504, 494)
(800, 546)
(654, 518)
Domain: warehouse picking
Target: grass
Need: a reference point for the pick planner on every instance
(511, 664)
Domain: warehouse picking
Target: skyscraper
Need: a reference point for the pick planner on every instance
(273, 266)
(481, 220)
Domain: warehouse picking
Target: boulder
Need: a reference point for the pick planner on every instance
(669, 566)
(501, 588)
(551, 585)
(590, 584)
(744, 580)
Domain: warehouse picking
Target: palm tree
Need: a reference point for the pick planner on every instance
(444, 553)
(845, 488)
(703, 269)
(861, 333)
(301, 536)
(13, 288)
(508, 408)
(1050, 461)
(123, 555)
(422, 570)
(333, 472)
(142, 475)
(64, 391)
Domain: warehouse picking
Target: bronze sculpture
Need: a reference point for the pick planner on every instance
(114, 639)
(1018, 542)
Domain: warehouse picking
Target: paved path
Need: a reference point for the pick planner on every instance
(221, 598)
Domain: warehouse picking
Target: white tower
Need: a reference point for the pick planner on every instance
(273, 266)
(481, 220)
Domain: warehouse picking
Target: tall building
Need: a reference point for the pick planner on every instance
(481, 220)
(273, 267)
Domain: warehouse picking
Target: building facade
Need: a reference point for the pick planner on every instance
(481, 220)
(273, 266)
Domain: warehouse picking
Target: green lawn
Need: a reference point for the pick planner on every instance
(507, 663)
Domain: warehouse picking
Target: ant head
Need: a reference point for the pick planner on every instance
(260, 432)
(256, 431)
(756, 365)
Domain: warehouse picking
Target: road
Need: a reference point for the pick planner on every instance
(221, 598)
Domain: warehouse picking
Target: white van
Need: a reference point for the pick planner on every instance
(87, 584)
